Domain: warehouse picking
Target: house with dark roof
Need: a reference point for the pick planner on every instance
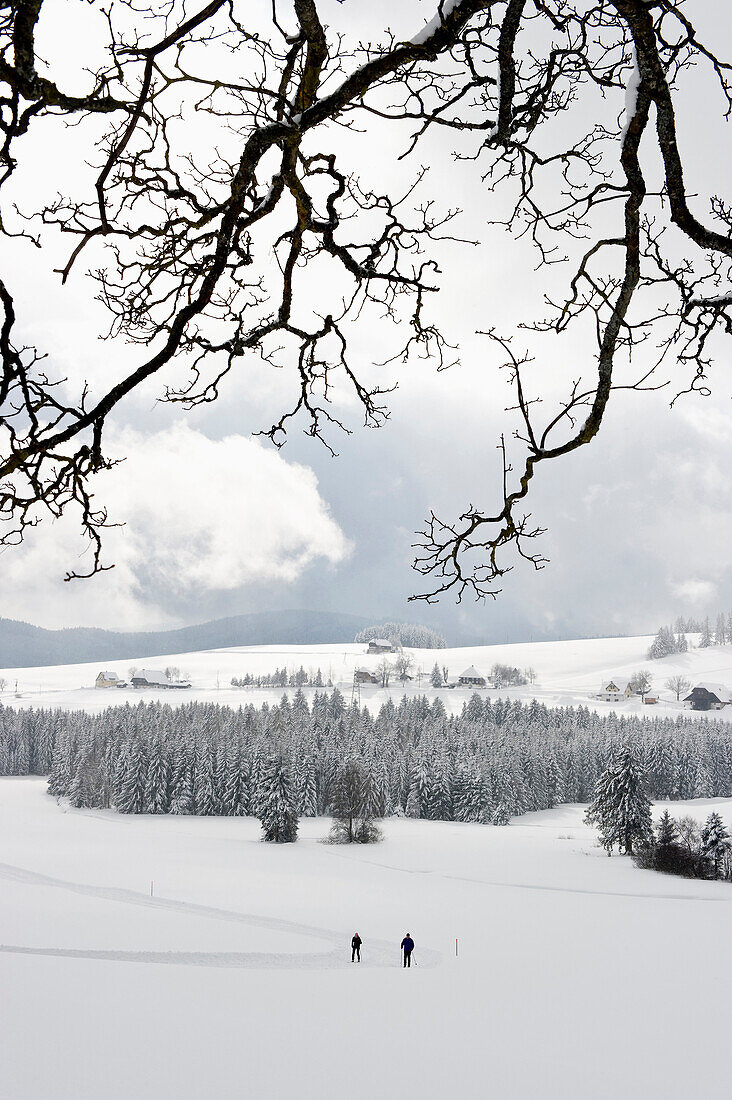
(363, 676)
(709, 697)
(148, 677)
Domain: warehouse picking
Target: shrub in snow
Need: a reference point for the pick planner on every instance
(682, 848)
(671, 859)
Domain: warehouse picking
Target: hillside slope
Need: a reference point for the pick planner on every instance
(569, 673)
(25, 646)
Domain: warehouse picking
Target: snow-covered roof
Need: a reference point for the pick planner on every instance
(617, 685)
(380, 641)
(109, 675)
(722, 693)
(151, 675)
(472, 674)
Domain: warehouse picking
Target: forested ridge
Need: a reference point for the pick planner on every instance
(495, 759)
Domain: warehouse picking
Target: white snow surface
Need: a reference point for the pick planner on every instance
(570, 673)
(577, 975)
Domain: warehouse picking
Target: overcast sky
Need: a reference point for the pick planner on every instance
(218, 523)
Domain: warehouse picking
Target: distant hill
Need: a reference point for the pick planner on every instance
(26, 646)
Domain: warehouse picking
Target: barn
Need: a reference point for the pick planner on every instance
(471, 678)
(708, 697)
(363, 676)
(148, 677)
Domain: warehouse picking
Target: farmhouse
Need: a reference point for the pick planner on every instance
(612, 691)
(380, 645)
(471, 678)
(709, 697)
(109, 680)
(363, 676)
(147, 677)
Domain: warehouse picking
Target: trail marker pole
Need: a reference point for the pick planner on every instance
(151, 887)
(456, 947)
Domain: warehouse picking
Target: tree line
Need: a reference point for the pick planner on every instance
(403, 634)
(496, 759)
(281, 677)
(621, 809)
(673, 639)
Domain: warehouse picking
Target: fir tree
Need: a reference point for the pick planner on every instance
(307, 791)
(157, 800)
(668, 831)
(715, 841)
(621, 808)
(436, 676)
(352, 821)
(720, 631)
(662, 645)
(132, 779)
(501, 814)
(413, 808)
(277, 811)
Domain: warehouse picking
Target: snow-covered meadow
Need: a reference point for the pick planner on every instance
(569, 673)
(577, 975)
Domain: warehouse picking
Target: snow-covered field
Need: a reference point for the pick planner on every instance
(569, 673)
(577, 976)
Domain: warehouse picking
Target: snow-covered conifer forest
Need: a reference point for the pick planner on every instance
(206, 759)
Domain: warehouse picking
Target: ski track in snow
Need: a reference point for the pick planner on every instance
(380, 952)
(540, 886)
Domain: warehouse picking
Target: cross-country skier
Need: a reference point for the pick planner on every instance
(408, 948)
(356, 948)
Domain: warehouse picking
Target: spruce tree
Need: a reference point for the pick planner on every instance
(352, 821)
(715, 843)
(277, 811)
(413, 808)
(501, 814)
(436, 677)
(132, 779)
(157, 800)
(662, 645)
(621, 808)
(667, 830)
(720, 631)
(306, 785)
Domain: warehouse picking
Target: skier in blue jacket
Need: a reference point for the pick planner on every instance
(407, 948)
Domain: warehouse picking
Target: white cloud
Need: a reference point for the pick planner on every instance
(694, 591)
(200, 516)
